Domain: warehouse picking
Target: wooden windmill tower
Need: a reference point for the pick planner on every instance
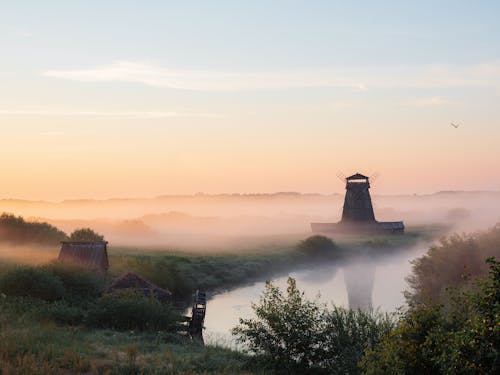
(357, 212)
(357, 202)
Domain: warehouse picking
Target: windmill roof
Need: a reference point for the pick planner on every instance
(357, 176)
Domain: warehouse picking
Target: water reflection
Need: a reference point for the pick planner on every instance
(362, 283)
(359, 277)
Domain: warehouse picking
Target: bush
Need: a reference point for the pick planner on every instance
(294, 335)
(319, 246)
(129, 311)
(32, 282)
(456, 261)
(85, 235)
(460, 338)
(79, 283)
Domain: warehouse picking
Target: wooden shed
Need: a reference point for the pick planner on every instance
(91, 255)
(134, 283)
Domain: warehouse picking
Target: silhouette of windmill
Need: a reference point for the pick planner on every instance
(357, 202)
(357, 212)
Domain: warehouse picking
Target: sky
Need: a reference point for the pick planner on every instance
(144, 98)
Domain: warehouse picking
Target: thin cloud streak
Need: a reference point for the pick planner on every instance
(429, 102)
(126, 114)
(358, 79)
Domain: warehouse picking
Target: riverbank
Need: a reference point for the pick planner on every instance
(184, 272)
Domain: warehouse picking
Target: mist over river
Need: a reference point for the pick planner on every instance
(358, 282)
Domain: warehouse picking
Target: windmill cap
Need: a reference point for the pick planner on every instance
(357, 176)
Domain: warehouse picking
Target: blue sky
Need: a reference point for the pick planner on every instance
(265, 95)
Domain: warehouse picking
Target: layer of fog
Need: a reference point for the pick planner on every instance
(27, 254)
(228, 221)
(365, 283)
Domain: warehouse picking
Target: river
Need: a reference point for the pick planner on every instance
(360, 282)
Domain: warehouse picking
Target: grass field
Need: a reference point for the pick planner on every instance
(31, 342)
(31, 346)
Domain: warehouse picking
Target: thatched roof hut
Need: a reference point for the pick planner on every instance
(91, 255)
(133, 282)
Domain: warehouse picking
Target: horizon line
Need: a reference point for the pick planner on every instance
(243, 195)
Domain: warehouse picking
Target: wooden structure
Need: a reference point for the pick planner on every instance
(198, 312)
(357, 212)
(136, 284)
(357, 203)
(90, 255)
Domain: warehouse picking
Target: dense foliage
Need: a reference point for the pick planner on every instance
(75, 296)
(461, 337)
(85, 235)
(80, 284)
(456, 261)
(16, 230)
(52, 282)
(294, 335)
(131, 311)
(32, 282)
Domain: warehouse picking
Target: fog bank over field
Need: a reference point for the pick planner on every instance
(220, 219)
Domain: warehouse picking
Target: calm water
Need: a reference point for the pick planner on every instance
(359, 281)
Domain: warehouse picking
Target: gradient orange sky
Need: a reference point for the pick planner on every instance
(253, 98)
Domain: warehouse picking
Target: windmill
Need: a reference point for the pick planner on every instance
(357, 212)
(357, 202)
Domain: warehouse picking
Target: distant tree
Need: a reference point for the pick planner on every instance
(86, 235)
(319, 246)
(16, 230)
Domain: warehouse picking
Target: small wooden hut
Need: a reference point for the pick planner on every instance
(91, 255)
(134, 283)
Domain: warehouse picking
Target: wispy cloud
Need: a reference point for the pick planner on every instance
(118, 114)
(156, 75)
(153, 74)
(429, 101)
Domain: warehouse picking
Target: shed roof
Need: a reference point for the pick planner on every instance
(132, 281)
(93, 255)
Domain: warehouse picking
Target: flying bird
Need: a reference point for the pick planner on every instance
(455, 125)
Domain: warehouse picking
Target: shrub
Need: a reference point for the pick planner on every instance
(460, 338)
(456, 261)
(129, 311)
(294, 335)
(85, 235)
(79, 283)
(32, 282)
(319, 246)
